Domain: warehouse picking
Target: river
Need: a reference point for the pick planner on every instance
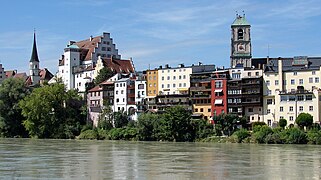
(73, 159)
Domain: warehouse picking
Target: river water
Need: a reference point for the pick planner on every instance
(72, 159)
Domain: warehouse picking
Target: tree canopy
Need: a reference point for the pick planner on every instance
(304, 120)
(103, 74)
(52, 112)
(12, 90)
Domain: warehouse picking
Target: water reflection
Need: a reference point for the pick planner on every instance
(70, 159)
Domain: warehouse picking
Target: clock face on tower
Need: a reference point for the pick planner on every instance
(240, 47)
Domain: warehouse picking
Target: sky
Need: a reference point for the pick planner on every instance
(155, 32)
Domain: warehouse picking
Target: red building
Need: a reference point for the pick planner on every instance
(219, 93)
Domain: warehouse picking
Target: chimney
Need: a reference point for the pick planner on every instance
(71, 43)
(166, 66)
(160, 67)
(91, 38)
(200, 63)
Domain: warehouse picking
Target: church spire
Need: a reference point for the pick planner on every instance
(34, 55)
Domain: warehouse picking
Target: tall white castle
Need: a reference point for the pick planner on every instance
(77, 64)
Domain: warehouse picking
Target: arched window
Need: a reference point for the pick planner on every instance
(240, 34)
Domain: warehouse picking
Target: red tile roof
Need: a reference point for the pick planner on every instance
(45, 74)
(119, 66)
(21, 75)
(107, 83)
(10, 73)
(88, 47)
(96, 88)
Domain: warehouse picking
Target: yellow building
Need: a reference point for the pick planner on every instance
(152, 82)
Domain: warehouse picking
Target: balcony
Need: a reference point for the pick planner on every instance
(200, 88)
(96, 109)
(201, 96)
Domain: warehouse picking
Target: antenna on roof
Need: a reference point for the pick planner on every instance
(243, 13)
(236, 14)
(268, 49)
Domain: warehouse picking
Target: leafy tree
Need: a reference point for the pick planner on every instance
(105, 118)
(146, 125)
(175, 125)
(304, 120)
(228, 123)
(282, 123)
(103, 75)
(12, 90)
(120, 119)
(202, 129)
(52, 112)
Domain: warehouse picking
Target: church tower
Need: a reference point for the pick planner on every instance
(241, 50)
(34, 63)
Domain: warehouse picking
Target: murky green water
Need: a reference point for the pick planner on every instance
(71, 159)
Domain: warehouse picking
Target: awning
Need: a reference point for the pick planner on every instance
(182, 89)
(218, 101)
(218, 90)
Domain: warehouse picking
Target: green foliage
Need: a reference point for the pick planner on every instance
(50, 111)
(282, 123)
(304, 120)
(202, 129)
(175, 125)
(260, 133)
(12, 90)
(120, 119)
(228, 123)
(257, 123)
(314, 136)
(103, 74)
(89, 134)
(294, 136)
(127, 133)
(240, 135)
(146, 126)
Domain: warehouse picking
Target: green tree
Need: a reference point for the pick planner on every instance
(106, 117)
(103, 74)
(147, 125)
(282, 123)
(304, 120)
(52, 112)
(175, 125)
(228, 123)
(12, 90)
(120, 119)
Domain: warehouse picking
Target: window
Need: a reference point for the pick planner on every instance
(103, 48)
(117, 100)
(300, 81)
(154, 77)
(292, 81)
(180, 85)
(300, 97)
(310, 108)
(269, 92)
(218, 84)
(150, 84)
(209, 110)
(116, 92)
(284, 98)
(291, 118)
(179, 77)
(150, 77)
(281, 117)
(240, 34)
(295, 73)
(154, 84)
(310, 80)
(108, 49)
(269, 101)
(123, 99)
(316, 80)
(281, 109)
(249, 74)
(174, 77)
(184, 76)
(174, 85)
(250, 109)
(168, 85)
(313, 72)
(154, 91)
(162, 85)
(201, 110)
(291, 108)
(284, 82)
(267, 82)
(300, 108)
(122, 92)
(168, 77)
(257, 73)
(196, 110)
(276, 82)
(268, 111)
(163, 78)
(308, 97)
(184, 84)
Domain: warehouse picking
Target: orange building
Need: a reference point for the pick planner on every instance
(152, 82)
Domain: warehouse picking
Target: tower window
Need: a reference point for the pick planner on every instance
(240, 34)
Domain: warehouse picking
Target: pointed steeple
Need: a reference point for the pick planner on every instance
(34, 55)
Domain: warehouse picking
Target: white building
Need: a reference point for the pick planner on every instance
(291, 86)
(77, 64)
(2, 73)
(174, 80)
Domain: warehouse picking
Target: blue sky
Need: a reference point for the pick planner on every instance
(157, 32)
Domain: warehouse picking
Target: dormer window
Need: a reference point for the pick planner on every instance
(240, 34)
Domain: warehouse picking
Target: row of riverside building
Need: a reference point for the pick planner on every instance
(260, 89)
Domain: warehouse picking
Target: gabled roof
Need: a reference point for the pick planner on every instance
(119, 66)
(10, 73)
(95, 89)
(88, 47)
(45, 74)
(240, 21)
(21, 75)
